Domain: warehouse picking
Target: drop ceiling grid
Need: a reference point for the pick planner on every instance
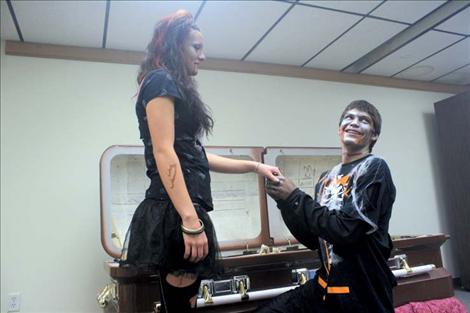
(413, 52)
(406, 11)
(301, 34)
(441, 63)
(460, 23)
(131, 23)
(362, 7)
(461, 76)
(365, 36)
(8, 30)
(230, 29)
(74, 23)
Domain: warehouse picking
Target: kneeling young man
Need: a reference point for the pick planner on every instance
(347, 221)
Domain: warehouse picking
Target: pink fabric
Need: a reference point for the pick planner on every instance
(448, 305)
(407, 308)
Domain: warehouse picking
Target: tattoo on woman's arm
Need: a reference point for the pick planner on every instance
(172, 175)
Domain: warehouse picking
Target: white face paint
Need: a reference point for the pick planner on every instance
(192, 52)
(356, 131)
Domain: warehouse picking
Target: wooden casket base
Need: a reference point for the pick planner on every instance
(437, 284)
(140, 292)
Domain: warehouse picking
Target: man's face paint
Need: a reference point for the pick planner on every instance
(356, 130)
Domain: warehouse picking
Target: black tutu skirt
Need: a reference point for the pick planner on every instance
(155, 240)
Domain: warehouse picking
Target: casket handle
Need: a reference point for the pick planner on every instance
(206, 295)
(243, 290)
(107, 294)
(404, 264)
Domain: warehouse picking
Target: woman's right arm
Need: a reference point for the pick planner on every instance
(160, 118)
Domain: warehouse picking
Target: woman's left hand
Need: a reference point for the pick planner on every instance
(270, 172)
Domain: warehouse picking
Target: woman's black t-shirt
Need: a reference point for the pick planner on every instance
(191, 153)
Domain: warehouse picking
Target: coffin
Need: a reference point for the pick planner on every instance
(260, 256)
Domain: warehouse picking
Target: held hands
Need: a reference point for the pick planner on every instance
(280, 190)
(277, 186)
(195, 242)
(268, 171)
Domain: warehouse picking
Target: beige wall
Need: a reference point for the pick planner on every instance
(58, 116)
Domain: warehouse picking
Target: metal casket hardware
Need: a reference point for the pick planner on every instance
(106, 295)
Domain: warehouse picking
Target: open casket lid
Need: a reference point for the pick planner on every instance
(304, 167)
(239, 214)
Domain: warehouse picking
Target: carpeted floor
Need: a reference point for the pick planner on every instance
(463, 296)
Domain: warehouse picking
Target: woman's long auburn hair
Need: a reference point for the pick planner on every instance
(165, 51)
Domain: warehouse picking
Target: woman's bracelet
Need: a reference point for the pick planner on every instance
(193, 231)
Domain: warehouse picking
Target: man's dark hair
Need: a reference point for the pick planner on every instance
(364, 106)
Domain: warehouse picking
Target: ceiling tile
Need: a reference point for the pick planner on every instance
(460, 23)
(362, 7)
(131, 23)
(406, 11)
(370, 33)
(76, 23)
(225, 36)
(461, 77)
(8, 30)
(411, 53)
(232, 28)
(441, 63)
(301, 34)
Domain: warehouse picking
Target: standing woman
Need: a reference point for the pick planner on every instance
(171, 229)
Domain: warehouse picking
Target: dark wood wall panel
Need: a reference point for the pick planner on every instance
(453, 122)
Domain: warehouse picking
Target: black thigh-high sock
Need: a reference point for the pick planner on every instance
(176, 299)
